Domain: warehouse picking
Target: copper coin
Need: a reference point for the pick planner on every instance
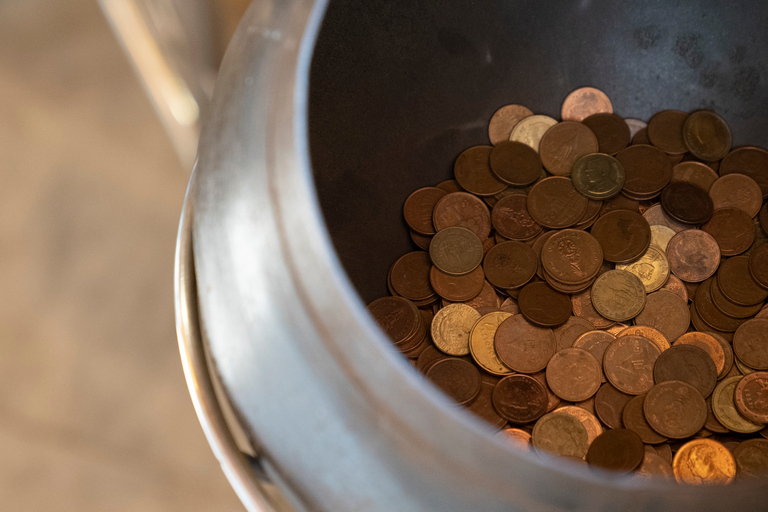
(584, 102)
(687, 203)
(693, 255)
(460, 209)
(503, 120)
(633, 418)
(709, 312)
(421, 241)
(457, 288)
(727, 350)
(397, 317)
(704, 462)
(543, 306)
(635, 125)
(609, 405)
(456, 251)
(538, 245)
(696, 173)
(611, 130)
(510, 265)
(763, 218)
(516, 163)
(656, 216)
(565, 143)
(429, 356)
(665, 131)
(457, 378)
(689, 364)
(737, 191)
(758, 265)
(623, 235)
(555, 203)
(641, 137)
(628, 364)
(649, 333)
(729, 308)
(751, 161)
(487, 298)
(574, 374)
(587, 419)
(449, 186)
(482, 406)
(675, 409)
(410, 276)
(707, 136)
(737, 284)
(708, 344)
(511, 218)
(596, 343)
(751, 458)
(751, 397)
(572, 256)
(472, 170)
(647, 169)
(676, 286)
(571, 330)
(582, 307)
(750, 343)
(553, 401)
(590, 216)
(733, 229)
(713, 424)
(655, 467)
(520, 399)
(523, 347)
(619, 450)
(666, 312)
(620, 202)
(419, 207)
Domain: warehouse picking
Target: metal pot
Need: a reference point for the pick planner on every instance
(293, 217)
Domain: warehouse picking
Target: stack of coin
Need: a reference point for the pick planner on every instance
(595, 288)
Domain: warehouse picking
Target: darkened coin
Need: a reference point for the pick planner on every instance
(758, 265)
(472, 170)
(449, 186)
(709, 313)
(623, 235)
(598, 176)
(459, 379)
(707, 136)
(611, 131)
(456, 251)
(737, 191)
(656, 216)
(410, 276)
(421, 241)
(647, 169)
(570, 331)
(504, 120)
(750, 343)
(620, 202)
(751, 161)
(654, 467)
(522, 346)
(764, 218)
(666, 312)
(751, 397)
(609, 405)
(665, 131)
(675, 409)
(693, 255)
(565, 143)
(483, 408)
(419, 207)
(633, 418)
(708, 344)
(520, 399)
(687, 203)
(572, 256)
(510, 265)
(462, 210)
(689, 364)
(553, 401)
(729, 308)
(543, 306)
(751, 459)
(555, 203)
(574, 374)
(733, 229)
(457, 288)
(619, 450)
(516, 163)
(628, 364)
(737, 284)
(641, 137)
(512, 220)
(398, 317)
(697, 173)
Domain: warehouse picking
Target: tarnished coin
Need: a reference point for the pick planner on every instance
(398, 317)
(418, 209)
(510, 218)
(553, 401)
(481, 343)
(517, 437)
(729, 308)
(708, 344)
(628, 364)
(733, 229)
(472, 170)
(523, 347)
(675, 409)
(451, 326)
(728, 351)
(516, 163)
(633, 418)
(482, 406)
(704, 462)
(707, 136)
(460, 209)
(456, 251)
(763, 218)
(758, 265)
(618, 295)
(751, 161)
(689, 364)
(531, 129)
(660, 236)
(665, 131)
(641, 137)
(510, 265)
(655, 337)
(709, 314)
(693, 255)
(620, 202)
(655, 215)
(459, 379)
(652, 268)
(543, 306)
(520, 399)
(687, 203)
(554, 203)
(563, 144)
(457, 288)
(676, 286)
(619, 450)
(647, 169)
(737, 284)
(487, 298)
(609, 405)
(654, 467)
(623, 235)
(611, 130)
(737, 191)
(583, 307)
(751, 459)
(750, 343)
(751, 397)
(725, 411)
(574, 374)
(598, 176)
(666, 312)
(421, 241)
(567, 334)
(560, 434)
(584, 102)
(590, 422)
(410, 276)
(504, 120)
(696, 173)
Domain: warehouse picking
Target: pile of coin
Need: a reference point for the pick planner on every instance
(595, 288)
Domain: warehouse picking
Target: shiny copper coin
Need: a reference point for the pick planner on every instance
(689, 364)
(709, 313)
(460, 209)
(560, 434)
(737, 191)
(565, 143)
(618, 295)
(482, 406)
(751, 161)
(523, 347)
(516, 163)
(570, 331)
(543, 306)
(584, 102)
(654, 336)
(737, 284)
(704, 462)
(419, 207)
(750, 343)
(687, 203)
(633, 418)
(656, 216)
(696, 173)
(733, 229)
(751, 459)
(611, 130)
(648, 170)
(628, 364)
(457, 378)
(472, 170)
(457, 288)
(609, 405)
(520, 399)
(675, 409)
(708, 344)
(510, 218)
(582, 307)
(751, 397)
(623, 235)
(410, 276)
(618, 450)
(729, 308)
(571, 256)
(531, 129)
(504, 120)
(666, 312)
(456, 251)
(707, 136)
(693, 255)
(555, 203)
(574, 374)
(598, 176)
(758, 265)
(510, 265)
(665, 131)
(398, 317)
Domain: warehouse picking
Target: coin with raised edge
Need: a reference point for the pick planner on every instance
(451, 327)
(520, 399)
(588, 419)
(655, 215)
(543, 306)
(458, 378)
(461, 209)
(725, 411)
(511, 218)
(418, 209)
(522, 346)
(704, 462)
(733, 229)
(531, 129)
(693, 255)
(623, 235)
(751, 459)
(583, 307)
(628, 364)
(584, 102)
(618, 295)
(750, 343)
(707, 343)
(633, 418)
(751, 161)
(647, 170)
(510, 265)
(504, 120)
(456, 251)
(516, 163)
(574, 374)
(560, 434)
(665, 131)
(654, 467)
(609, 405)
(707, 136)
(652, 268)
(611, 130)
(598, 176)
(482, 405)
(554, 203)
(751, 397)
(619, 450)
(737, 191)
(675, 409)
(689, 364)
(564, 144)
(696, 173)
(687, 203)
(472, 170)
(481, 343)
(666, 312)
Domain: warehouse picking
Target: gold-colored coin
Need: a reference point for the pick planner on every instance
(560, 434)
(531, 129)
(598, 176)
(456, 250)
(661, 235)
(650, 333)
(481, 343)
(704, 462)
(451, 327)
(652, 268)
(588, 419)
(618, 295)
(725, 409)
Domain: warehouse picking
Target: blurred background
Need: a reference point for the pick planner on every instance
(94, 410)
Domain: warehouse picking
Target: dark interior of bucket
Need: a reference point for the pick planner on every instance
(399, 88)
